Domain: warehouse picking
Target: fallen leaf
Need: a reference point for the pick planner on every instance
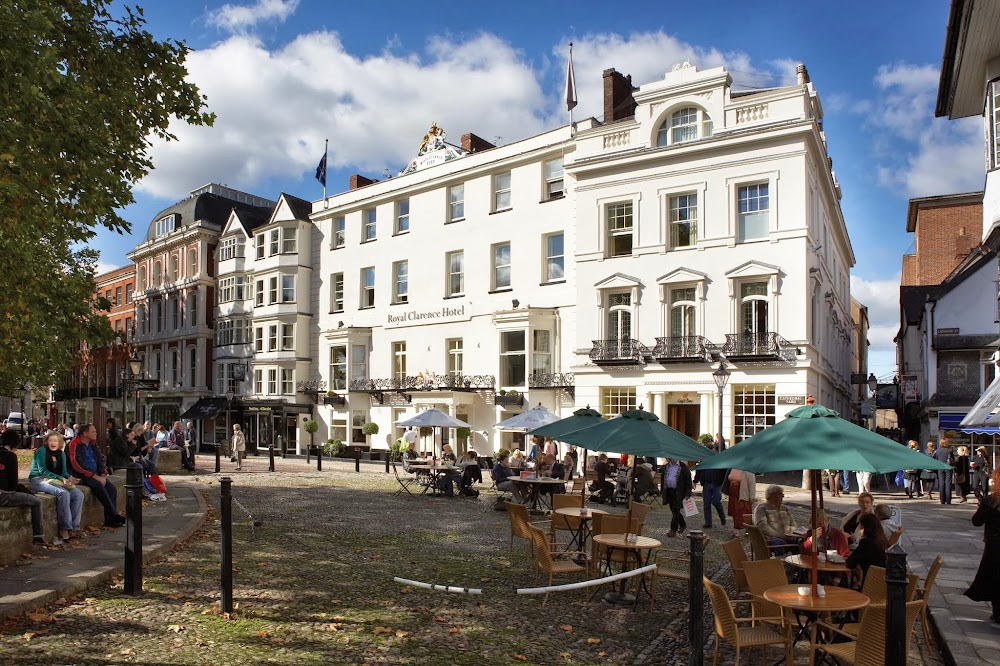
(566, 627)
(262, 564)
(406, 589)
(28, 635)
(520, 657)
(176, 628)
(39, 616)
(401, 634)
(127, 653)
(602, 653)
(381, 630)
(594, 641)
(485, 580)
(566, 655)
(453, 630)
(262, 634)
(438, 618)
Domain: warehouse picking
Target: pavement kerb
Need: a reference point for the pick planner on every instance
(83, 579)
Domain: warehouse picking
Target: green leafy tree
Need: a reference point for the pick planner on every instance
(84, 92)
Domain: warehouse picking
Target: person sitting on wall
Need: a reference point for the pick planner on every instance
(90, 466)
(14, 494)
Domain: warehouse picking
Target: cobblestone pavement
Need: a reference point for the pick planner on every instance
(314, 556)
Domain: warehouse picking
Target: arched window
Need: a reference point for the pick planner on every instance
(192, 257)
(688, 124)
(753, 315)
(157, 274)
(683, 313)
(619, 317)
(192, 309)
(142, 278)
(174, 270)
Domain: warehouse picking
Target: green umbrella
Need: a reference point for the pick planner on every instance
(581, 418)
(639, 433)
(814, 437)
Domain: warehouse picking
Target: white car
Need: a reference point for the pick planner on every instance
(15, 421)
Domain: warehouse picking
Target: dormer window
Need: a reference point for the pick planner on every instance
(688, 124)
(166, 224)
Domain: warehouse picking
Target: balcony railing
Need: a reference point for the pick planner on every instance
(682, 349)
(335, 399)
(619, 351)
(758, 347)
(551, 380)
(433, 382)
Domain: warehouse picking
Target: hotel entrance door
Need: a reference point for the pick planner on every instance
(684, 418)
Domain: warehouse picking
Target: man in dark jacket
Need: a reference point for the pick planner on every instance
(711, 493)
(676, 488)
(90, 466)
(12, 493)
(602, 488)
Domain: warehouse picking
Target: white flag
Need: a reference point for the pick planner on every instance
(570, 81)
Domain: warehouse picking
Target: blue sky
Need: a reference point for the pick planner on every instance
(283, 75)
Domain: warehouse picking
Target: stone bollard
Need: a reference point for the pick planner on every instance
(895, 607)
(226, 518)
(270, 456)
(133, 530)
(696, 599)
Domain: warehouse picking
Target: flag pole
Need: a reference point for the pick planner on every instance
(570, 91)
(326, 150)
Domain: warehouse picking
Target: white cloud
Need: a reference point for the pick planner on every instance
(917, 154)
(102, 267)
(240, 18)
(881, 297)
(275, 106)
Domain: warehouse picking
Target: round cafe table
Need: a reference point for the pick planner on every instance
(805, 562)
(583, 515)
(836, 600)
(641, 549)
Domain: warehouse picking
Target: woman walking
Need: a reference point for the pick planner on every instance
(239, 445)
(912, 476)
(928, 476)
(742, 490)
(962, 473)
(980, 472)
(833, 475)
(986, 586)
(50, 474)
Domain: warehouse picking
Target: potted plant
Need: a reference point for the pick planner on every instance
(310, 426)
(463, 432)
(334, 447)
(368, 430)
(705, 439)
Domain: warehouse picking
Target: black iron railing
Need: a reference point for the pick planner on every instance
(422, 382)
(758, 346)
(619, 351)
(681, 348)
(551, 380)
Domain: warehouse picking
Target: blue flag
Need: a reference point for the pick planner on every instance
(321, 171)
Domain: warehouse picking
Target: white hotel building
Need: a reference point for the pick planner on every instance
(612, 264)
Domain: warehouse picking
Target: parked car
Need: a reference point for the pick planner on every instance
(15, 421)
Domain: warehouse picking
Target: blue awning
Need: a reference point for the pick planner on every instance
(985, 430)
(950, 421)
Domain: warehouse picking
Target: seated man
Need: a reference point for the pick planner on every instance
(410, 458)
(776, 521)
(502, 475)
(11, 492)
(449, 481)
(555, 470)
(90, 467)
(602, 489)
(471, 472)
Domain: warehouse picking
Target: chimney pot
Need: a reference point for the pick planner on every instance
(474, 144)
(801, 74)
(357, 180)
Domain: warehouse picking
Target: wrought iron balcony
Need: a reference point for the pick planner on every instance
(551, 380)
(509, 399)
(422, 382)
(683, 349)
(619, 351)
(758, 347)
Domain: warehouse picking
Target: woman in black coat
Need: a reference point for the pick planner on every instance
(871, 546)
(986, 586)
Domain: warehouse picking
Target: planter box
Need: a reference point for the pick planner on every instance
(510, 400)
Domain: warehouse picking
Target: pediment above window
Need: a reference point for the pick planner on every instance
(679, 275)
(752, 269)
(619, 281)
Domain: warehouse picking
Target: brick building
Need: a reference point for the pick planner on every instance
(945, 230)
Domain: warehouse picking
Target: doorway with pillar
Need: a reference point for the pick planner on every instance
(685, 419)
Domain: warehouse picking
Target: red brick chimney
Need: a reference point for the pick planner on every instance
(474, 144)
(357, 180)
(618, 101)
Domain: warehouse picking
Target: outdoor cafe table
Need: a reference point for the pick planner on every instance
(640, 550)
(836, 600)
(804, 563)
(436, 472)
(534, 488)
(582, 533)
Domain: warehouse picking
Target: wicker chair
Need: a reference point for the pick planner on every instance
(545, 559)
(737, 560)
(762, 575)
(672, 564)
(761, 632)
(924, 594)
(875, 589)
(867, 648)
(759, 547)
(520, 523)
(565, 523)
(608, 524)
(894, 537)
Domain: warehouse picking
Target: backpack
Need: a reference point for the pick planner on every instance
(469, 491)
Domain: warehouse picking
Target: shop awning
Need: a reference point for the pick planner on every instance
(205, 408)
(986, 411)
(950, 421)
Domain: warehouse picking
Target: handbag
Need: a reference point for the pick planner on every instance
(725, 484)
(688, 507)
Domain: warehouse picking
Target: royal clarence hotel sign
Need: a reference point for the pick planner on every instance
(442, 315)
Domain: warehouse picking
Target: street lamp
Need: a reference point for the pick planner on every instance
(130, 371)
(873, 387)
(721, 377)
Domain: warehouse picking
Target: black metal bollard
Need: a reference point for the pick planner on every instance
(895, 608)
(319, 458)
(270, 455)
(133, 530)
(218, 457)
(357, 460)
(309, 450)
(387, 456)
(696, 599)
(226, 515)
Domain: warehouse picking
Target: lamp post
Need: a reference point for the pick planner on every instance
(24, 419)
(873, 388)
(721, 377)
(129, 373)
